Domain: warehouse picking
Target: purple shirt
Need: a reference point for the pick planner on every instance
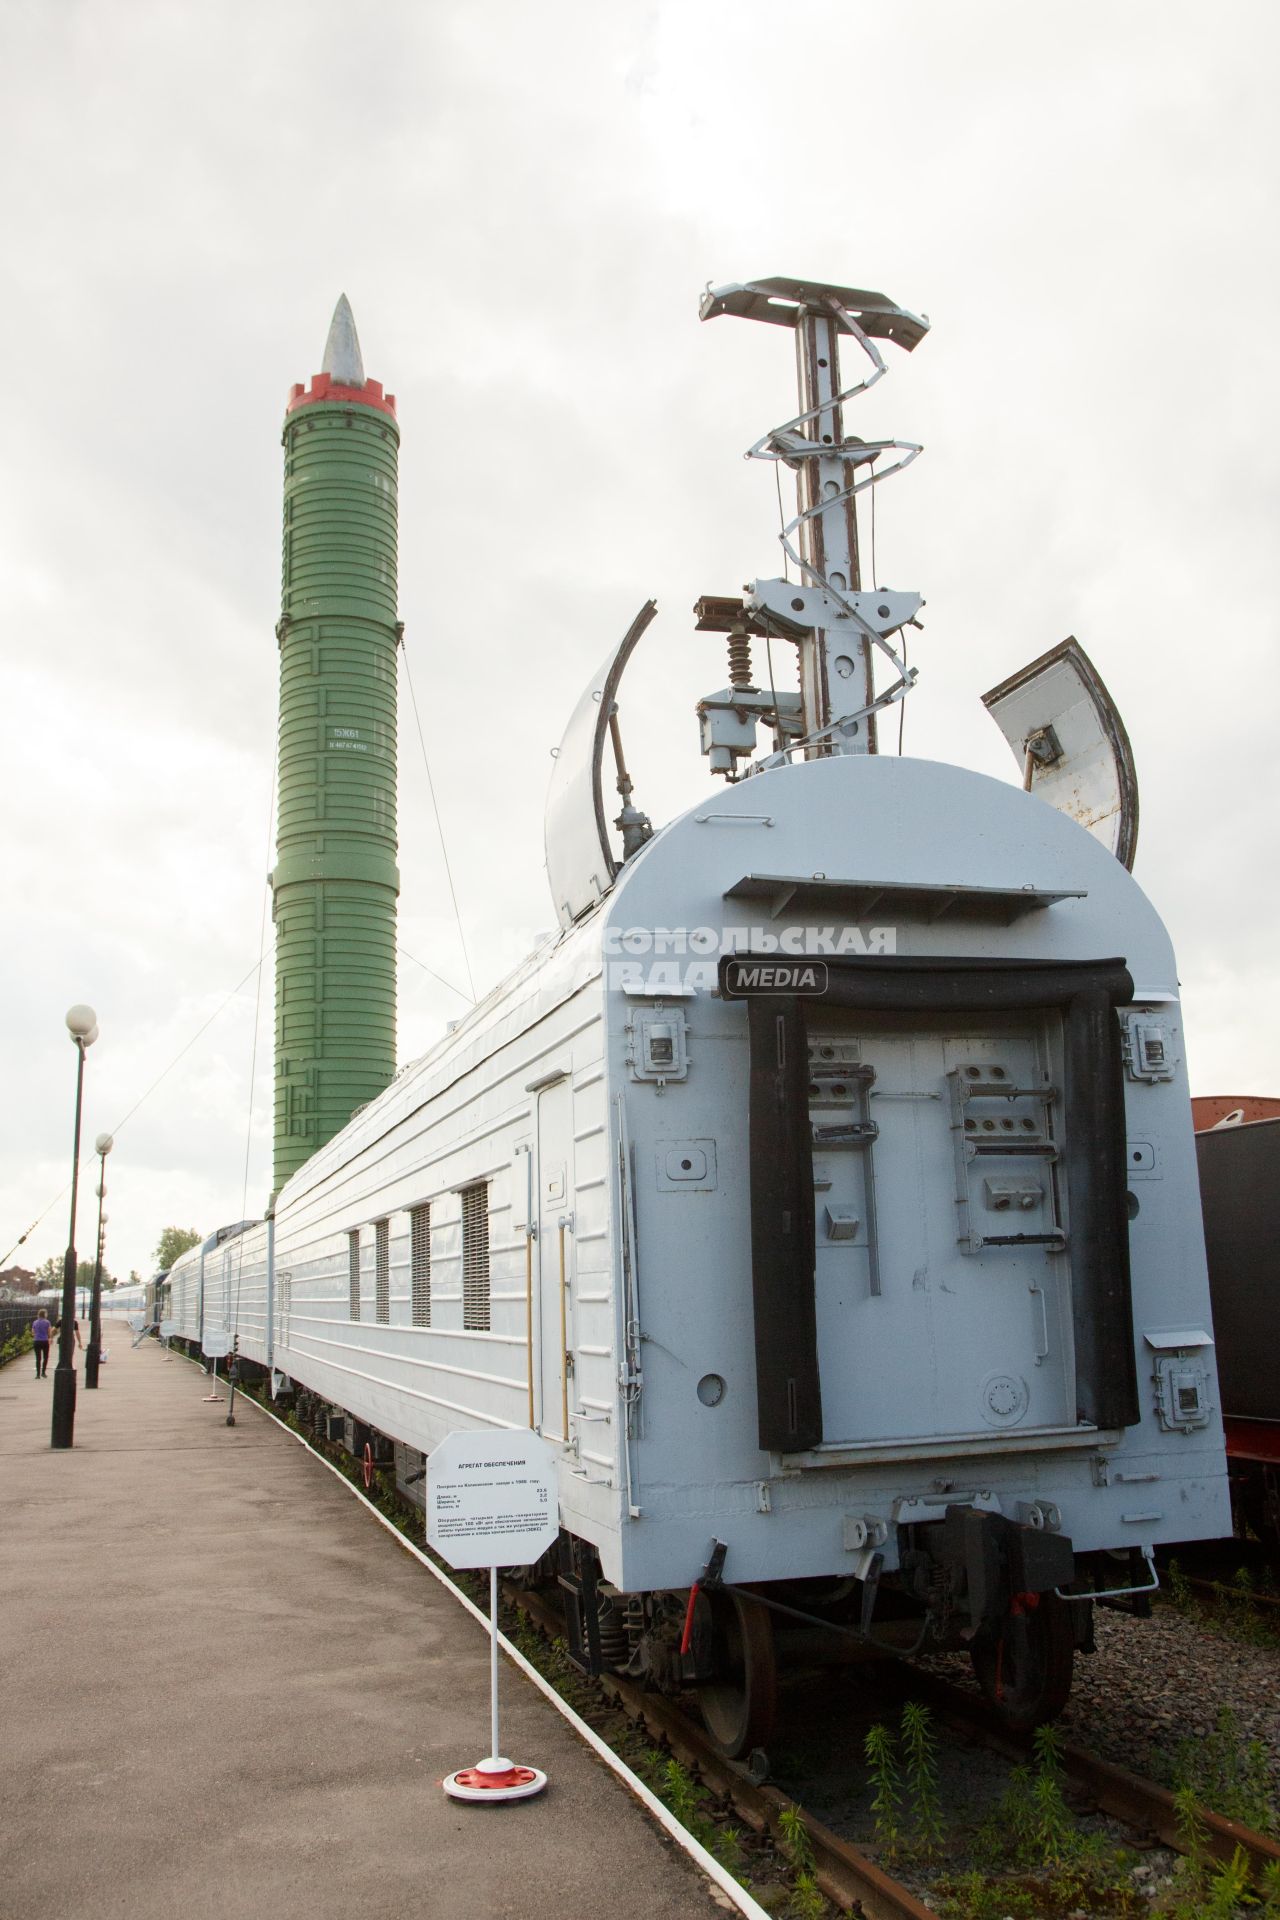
(40, 1328)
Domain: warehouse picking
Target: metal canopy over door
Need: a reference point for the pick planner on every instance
(554, 1259)
(937, 1231)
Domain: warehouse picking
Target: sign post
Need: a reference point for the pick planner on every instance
(214, 1343)
(491, 1502)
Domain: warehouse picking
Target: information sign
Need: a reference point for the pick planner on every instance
(215, 1342)
(491, 1498)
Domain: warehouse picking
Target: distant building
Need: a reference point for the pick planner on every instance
(17, 1284)
(1231, 1109)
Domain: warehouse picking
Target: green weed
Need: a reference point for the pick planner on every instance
(728, 1851)
(1178, 1587)
(920, 1761)
(13, 1349)
(1269, 1891)
(1053, 1828)
(795, 1838)
(1224, 1771)
(882, 1763)
(974, 1896)
(679, 1792)
(806, 1903)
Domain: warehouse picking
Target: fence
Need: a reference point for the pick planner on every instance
(15, 1317)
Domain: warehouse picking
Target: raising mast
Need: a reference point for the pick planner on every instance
(836, 626)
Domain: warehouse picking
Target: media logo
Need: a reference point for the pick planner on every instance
(745, 979)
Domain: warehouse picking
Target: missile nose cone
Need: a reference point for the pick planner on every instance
(342, 360)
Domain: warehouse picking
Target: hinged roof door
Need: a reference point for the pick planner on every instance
(1067, 735)
(581, 864)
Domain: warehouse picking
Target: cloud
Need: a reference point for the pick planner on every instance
(523, 204)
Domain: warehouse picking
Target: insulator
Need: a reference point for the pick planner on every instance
(740, 659)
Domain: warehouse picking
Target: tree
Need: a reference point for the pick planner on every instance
(49, 1273)
(173, 1242)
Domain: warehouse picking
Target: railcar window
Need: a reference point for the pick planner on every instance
(382, 1270)
(353, 1271)
(475, 1257)
(420, 1264)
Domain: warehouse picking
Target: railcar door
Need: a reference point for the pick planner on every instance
(942, 1288)
(555, 1264)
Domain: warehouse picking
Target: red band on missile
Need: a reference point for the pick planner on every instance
(323, 387)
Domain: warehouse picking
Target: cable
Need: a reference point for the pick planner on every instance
(88, 1157)
(253, 1067)
(436, 976)
(773, 692)
(875, 576)
(185, 1050)
(431, 788)
(782, 518)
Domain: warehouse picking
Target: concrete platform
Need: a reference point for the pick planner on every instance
(228, 1692)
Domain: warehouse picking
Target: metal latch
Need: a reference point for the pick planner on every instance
(1147, 1051)
(658, 1048)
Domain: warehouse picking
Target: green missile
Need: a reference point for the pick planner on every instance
(335, 882)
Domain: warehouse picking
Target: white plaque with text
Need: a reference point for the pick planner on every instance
(491, 1498)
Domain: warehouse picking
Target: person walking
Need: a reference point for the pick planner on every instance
(75, 1328)
(40, 1331)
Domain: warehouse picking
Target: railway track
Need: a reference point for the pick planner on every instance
(1242, 1577)
(1227, 1593)
(844, 1873)
(1129, 1797)
(847, 1875)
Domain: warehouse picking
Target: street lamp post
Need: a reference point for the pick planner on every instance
(93, 1352)
(82, 1025)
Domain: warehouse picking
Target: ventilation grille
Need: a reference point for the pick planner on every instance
(420, 1264)
(475, 1257)
(353, 1271)
(382, 1271)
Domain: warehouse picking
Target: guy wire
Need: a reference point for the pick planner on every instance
(253, 1054)
(87, 1158)
(431, 788)
(436, 976)
(782, 518)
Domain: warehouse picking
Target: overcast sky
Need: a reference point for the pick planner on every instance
(523, 202)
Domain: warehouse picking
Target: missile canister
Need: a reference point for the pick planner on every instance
(335, 883)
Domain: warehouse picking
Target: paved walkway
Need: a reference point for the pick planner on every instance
(227, 1692)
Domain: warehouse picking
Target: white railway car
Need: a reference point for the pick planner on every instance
(824, 1189)
(120, 1303)
(211, 1285)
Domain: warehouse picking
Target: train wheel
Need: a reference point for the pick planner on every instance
(1025, 1668)
(740, 1706)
